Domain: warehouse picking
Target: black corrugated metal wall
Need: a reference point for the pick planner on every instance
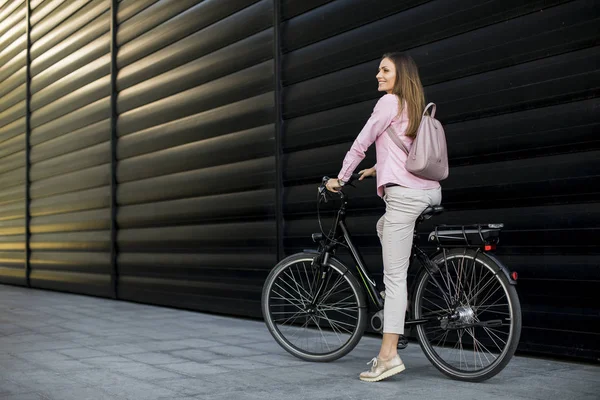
(210, 165)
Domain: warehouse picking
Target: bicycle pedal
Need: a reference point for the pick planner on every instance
(402, 343)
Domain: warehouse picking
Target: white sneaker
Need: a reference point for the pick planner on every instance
(382, 369)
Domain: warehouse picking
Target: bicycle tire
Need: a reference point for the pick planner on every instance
(470, 312)
(353, 287)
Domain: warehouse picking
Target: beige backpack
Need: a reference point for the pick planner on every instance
(428, 156)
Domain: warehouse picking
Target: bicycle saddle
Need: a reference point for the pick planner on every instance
(431, 211)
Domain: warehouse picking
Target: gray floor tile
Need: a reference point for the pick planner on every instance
(24, 396)
(234, 351)
(195, 355)
(239, 363)
(155, 358)
(121, 349)
(82, 352)
(109, 362)
(147, 373)
(81, 393)
(8, 388)
(189, 386)
(195, 369)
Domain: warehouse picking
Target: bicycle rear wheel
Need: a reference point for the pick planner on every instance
(478, 315)
(314, 329)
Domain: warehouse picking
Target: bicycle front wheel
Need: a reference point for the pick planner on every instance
(314, 328)
(475, 312)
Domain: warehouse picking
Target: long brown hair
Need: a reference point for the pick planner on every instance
(409, 89)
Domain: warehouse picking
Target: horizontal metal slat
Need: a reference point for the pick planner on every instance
(70, 261)
(407, 30)
(12, 178)
(18, 45)
(227, 149)
(57, 17)
(139, 263)
(12, 227)
(80, 221)
(12, 259)
(201, 71)
(12, 146)
(549, 81)
(71, 83)
(71, 102)
(41, 9)
(12, 28)
(69, 142)
(96, 9)
(80, 64)
(10, 99)
(95, 284)
(14, 7)
(12, 211)
(85, 116)
(291, 8)
(12, 162)
(69, 52)
(85, 158)
(72, 182)
(13, 243)
(71, 202)
(150, 17)
(241, 85)
(213, 46)
(129, 8)
(12, 195)
(333, 18)
(176, 28)
(12, 130)
(13, 82)
(245, 114)
(249, 234)
(71, 241)
(12, 113)
(11, 65)
(245, 205)
(244, 176)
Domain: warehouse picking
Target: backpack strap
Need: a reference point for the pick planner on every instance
(392, 134)
(432, 114)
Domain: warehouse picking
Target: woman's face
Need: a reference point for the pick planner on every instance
(386, 76)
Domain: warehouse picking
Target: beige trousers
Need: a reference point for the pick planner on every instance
(395, 229)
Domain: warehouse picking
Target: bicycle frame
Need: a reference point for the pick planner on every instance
(328, 249)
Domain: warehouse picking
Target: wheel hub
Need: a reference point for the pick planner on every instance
(465, 315)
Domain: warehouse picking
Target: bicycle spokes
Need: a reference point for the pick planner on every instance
(314, 308)
(472, 331)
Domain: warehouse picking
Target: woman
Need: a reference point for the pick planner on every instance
(405, 195)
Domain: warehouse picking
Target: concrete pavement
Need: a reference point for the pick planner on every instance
(64, 346)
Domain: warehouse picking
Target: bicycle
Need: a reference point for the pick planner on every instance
(464, 300)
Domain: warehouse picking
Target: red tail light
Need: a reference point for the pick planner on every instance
(489, 247)
(514, 275)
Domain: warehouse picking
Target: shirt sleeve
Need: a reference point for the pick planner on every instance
(384, 112)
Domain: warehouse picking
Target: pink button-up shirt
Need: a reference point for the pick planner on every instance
(391, 159)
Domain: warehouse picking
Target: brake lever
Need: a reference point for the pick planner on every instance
(322, 193)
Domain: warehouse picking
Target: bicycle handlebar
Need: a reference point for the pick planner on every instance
(323, 192)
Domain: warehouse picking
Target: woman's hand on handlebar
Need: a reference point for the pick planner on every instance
(365, 173)
(333, 185)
